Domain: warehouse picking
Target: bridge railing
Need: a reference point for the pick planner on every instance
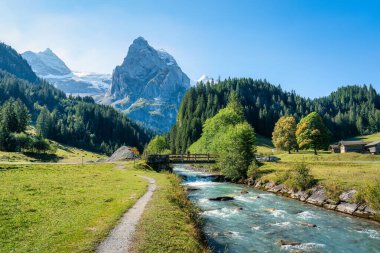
(192, 157)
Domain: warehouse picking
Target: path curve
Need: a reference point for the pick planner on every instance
(120, 238)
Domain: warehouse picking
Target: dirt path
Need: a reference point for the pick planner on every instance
(120, 238)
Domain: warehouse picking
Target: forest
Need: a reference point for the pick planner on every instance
(347, 112)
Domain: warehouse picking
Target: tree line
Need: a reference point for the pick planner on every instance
(75, 121)
(349, 111)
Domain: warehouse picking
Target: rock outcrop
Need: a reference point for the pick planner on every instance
(148, 86)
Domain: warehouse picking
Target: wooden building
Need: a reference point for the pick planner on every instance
(334, 148)
(352, 146)
(373, 147)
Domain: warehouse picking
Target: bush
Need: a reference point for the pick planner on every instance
(253, 170)
(371, 195)
(300, 177)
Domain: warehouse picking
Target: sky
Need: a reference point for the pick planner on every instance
(310, 46)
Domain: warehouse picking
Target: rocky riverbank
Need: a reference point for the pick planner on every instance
(317, 196)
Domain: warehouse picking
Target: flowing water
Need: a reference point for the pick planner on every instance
(256, 221)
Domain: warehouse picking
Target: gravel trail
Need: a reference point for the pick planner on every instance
(120, 238)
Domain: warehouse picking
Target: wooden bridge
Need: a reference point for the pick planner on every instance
(160, 162)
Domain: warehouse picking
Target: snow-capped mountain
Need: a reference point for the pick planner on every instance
(148, 86)
(50, 67)
(204, 79)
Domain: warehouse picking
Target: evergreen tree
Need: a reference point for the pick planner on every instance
(44, 123)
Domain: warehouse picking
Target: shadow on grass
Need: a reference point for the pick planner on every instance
(43, 157)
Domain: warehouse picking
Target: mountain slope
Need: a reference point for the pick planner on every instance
(12, 62)
(75, 121)
(148, 86)
(50, 67)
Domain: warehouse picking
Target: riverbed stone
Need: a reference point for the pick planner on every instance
(269, 185)
(243, 192)
(318, 197)
(223, 198)
(277, 188)
(345, 207)
(288, 242)
(348, 196)
(258, 183)
(329, 206)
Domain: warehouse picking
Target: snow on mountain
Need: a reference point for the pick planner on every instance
(50, 67)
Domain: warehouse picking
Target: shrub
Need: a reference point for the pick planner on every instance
(300, 177)
(253, 170)
(371, 195)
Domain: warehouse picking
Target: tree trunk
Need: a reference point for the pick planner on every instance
(315, 151)
(289, 151)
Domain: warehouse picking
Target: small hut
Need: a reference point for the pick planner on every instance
(373, 147)
(334, 148)
(352, 146)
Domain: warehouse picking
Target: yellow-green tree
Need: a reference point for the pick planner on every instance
(312, 133)
(284, 133)
(158, 145)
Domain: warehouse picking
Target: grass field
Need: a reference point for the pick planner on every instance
(71, 208)
(368, 138)
(62, 208)
(168, 223)
(64, 154)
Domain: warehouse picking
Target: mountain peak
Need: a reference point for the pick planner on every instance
(46, 63)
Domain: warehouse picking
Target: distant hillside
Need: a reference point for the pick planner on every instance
(367, 138)
(349, 111)
(75, 121)
(12, 62)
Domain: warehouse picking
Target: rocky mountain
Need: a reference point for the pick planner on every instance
(148, 86)
(50, 67)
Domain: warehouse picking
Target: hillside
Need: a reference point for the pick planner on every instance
(367, 138)
(70, 120)
(349, 111)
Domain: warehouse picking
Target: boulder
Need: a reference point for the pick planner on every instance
(300, 195)
(223, 198)
(258, 184)
(345, 207)
(276, 188)
(288, 242)
(318, 197)
(243, 192)
(269, 185)
(329, 206)
(308, 225)
(348, 196)
(191, 189)
(122, 153)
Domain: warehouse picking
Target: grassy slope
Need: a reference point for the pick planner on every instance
(64, 154)
(168, 223)
(71, 208)
(62, 208)
(369, 138)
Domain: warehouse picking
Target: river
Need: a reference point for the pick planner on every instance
(258, 220)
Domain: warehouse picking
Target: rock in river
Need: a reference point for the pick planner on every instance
(223, 198)
(287, 242)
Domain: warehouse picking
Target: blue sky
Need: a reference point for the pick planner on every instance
(311, 46)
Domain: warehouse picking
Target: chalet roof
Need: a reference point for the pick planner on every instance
(374, 143)
(352, 143)
(334, 146)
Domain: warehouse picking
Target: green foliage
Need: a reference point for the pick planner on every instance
(253, 170)
(236, 150)
(312, 133)
(75, 121)
(13, 63)
(158, 145)
(371, 194)
(348, 112)
(300, 177)
(284, 134)
(44, 123)
(14, 116)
